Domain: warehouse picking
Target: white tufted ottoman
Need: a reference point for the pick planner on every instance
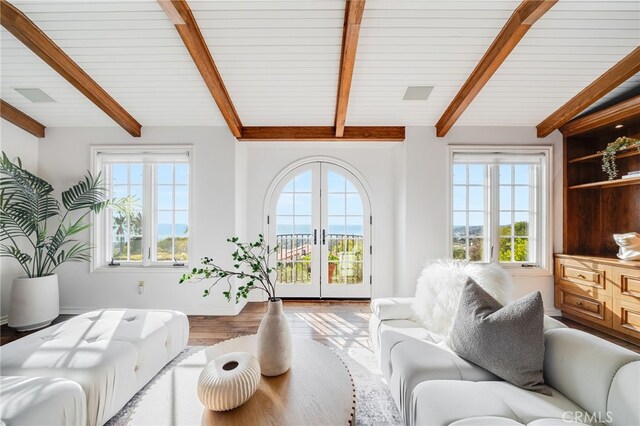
(41, 401)
(111, 353)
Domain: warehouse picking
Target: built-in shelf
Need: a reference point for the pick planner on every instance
(608, 183)
(628, 152)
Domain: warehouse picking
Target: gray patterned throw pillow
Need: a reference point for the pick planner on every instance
(505, 340)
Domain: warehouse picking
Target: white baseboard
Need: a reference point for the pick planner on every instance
(4, 319)
(553, 312)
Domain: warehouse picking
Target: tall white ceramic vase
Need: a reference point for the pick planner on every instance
(274, 341)
(34, 302)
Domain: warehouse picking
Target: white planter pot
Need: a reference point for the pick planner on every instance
(274, 341)
(34, 302)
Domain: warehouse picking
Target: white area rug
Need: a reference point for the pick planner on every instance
(374, 405)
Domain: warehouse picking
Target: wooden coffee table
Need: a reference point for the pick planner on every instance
(317, 390)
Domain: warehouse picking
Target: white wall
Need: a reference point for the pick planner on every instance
(64, 158)
(15, 142)
(408, 194)
(422, 207)
(373, 161)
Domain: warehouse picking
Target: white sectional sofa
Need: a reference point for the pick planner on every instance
(110, 353)
(593, 381)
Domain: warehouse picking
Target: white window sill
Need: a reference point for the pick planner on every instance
(137, 268)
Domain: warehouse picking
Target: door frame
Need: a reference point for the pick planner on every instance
(277, 181)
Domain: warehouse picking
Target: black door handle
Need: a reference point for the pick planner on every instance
(315, 237)
(324, 241)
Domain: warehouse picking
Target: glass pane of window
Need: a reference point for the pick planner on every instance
(476, 174)
(476, 198)
(285, 204)
(135, 174)
(135, 251)
(284, 225)
(336, 204)
(182, 223)
(521, 249)
(505, 174)
(182, 197)
(182, 173)
(505, 197)
(505, 249)
(355, 225)
(459, 224)
(302, 225)
(354, 204)
(459, 198)
(521, 173)
(505, 224)
(303, 182)
(164, 225)
(521, 198)
(336, 183)
(521, 224)
(165, 173)
(476, 249)
(164, 248)
(476, 224)
(165, 197)
(459, 174)
(337, 225)
(459, 248)
(303, 204)
(119, 174)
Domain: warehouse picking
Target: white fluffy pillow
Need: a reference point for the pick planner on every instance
(440, 285)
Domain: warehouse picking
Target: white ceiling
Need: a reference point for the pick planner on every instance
(280, 59)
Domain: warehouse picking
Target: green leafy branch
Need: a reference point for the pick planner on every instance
(251, 263)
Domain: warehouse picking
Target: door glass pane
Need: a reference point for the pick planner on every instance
(345, 237)
(294, 235)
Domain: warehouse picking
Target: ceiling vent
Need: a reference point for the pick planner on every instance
(417, 93)
(35, 95)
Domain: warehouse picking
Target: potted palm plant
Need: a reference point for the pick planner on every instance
(28, 212)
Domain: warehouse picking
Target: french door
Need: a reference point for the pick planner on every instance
(319, 218)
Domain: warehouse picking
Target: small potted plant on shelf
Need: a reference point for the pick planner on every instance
(251, 263)
(609, 165)
(28, 210)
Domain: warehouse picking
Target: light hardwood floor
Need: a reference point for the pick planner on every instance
(338, 323)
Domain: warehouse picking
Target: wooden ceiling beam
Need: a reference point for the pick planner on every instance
(619, 73)
(516, 27)
(17, 23)
(350, 34)
(622, 111)
(20, 119)
(323, 133)
(180, 14)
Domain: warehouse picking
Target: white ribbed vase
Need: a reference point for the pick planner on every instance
(274, 341)
(229, 381)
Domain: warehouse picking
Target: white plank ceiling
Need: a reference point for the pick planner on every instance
(280, 59)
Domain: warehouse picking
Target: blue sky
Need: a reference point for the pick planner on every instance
(476, 194)
(344, 206)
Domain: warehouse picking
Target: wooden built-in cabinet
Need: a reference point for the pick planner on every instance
(601, 292)
(592, 286)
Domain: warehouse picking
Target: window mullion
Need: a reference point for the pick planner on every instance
(148, 196)
(494, 213)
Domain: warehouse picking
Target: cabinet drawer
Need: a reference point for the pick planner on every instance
(589, 276)
(626, 318)
(627, 284)
(594, 310)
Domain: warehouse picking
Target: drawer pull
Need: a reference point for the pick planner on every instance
(579, 303)
(582, 276)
